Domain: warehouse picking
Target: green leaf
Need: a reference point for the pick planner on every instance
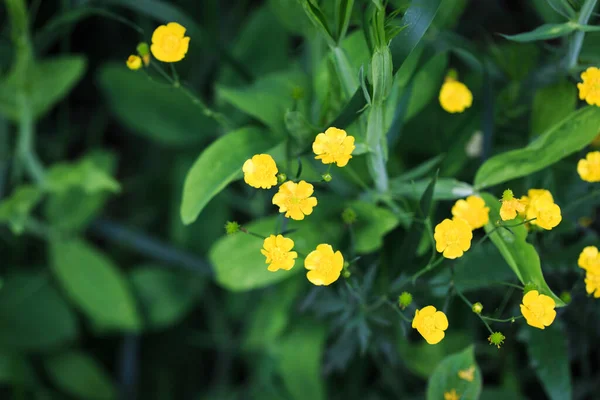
(79, 375)
(268, 98)
(84, 174)
(445, 189)
(518, 253)
(445, 377)
(420, 170)
(239, 264)
(581, 127)
(15, 209)
(342, 17)
(73, 209)
(299, 354)
(548, 352)
(165, 295)
(51, 80)
(287, 12)
(427, 84)
(552, 104)
(218, 165)
(421, 358)
(16, 370)
(481, 267)
(95, 285)
(33, 315)
(372, 224)
(316, 16)
(153, 110)
(544, 32)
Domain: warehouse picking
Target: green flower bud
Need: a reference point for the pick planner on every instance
(143, 49)
(349, 216)
(327, 177)
(404, 300)
(507, 195)
(497, 339)
(232, 227)
(566, 297)
(281, 177)
(477, 308)
(529, 286)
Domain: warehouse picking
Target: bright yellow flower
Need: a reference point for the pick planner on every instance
(589, 259)
(453, 237)
(294, 199)
(277, 249)
(538, 309)
(589, 89)
(455, 96)
(472, 210)
(451, 395)
(324, 265)
(535, 194)
(589, 167)
(431, 324)
(467, 374)
(334, 146)
(260, 171)
(545, 211)
(169, 43)
(592, 283)
(511, 206)
(134, 62)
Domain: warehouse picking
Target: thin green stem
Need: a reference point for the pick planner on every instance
(511, 319)
(246, 231)
(426, 269)
(577, 39)
(26, 149)
(470, 305)
(395, 308)
(162, 72)
(175, 75)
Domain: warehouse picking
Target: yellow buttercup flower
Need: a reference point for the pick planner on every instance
(277, 249)
(589, 89)
(589, 259)
(467, 374)
(538, 309)
(455, 96)
(589, 167)
(431, 324)
(294, 199)
(592, 283)
(511, 206)
(472, 210)
(546, 213)
(453, 237)
(324, 265)
(134, 62)
(334, 146)
(260, 171)
(451, 395)
(169, 43)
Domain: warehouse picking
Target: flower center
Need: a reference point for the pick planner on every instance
(278, 255)
(429, 324)
(262, 172)
(170, 43)
(537, 310)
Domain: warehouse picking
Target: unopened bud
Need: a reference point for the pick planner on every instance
(327, 177)
(477, 308)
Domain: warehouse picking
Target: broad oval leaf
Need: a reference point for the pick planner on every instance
(157, 111)
(218, 165)
(33, 315)
(372, 224)
(569, 136)
(552, 104)
(95, 285)
(551, 367)
(445, 189)
(166, 295)
(544, 32)
(445, 377)
(520, 255)
(239, 264)
(80, 375)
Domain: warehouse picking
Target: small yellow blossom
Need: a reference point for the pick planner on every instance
(589, 167)
(589, 89)
(134, 62)
(538, 309)
(589, 259)
(592, 283)
(277, 249)
(324, 265)
(334, 146)
(169, 43)
(431, 324)
(453, 237)
(511, 206)
(455, 96)
(467, 374)
(294, 199)
(545, 211)
(451, 395)
(472, 210)
(260, 171)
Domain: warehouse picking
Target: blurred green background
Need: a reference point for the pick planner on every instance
(105, 293)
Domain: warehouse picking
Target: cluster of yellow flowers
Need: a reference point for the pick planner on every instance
(589, 260)
(169, 44)
(537, 207)
(296, 200)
